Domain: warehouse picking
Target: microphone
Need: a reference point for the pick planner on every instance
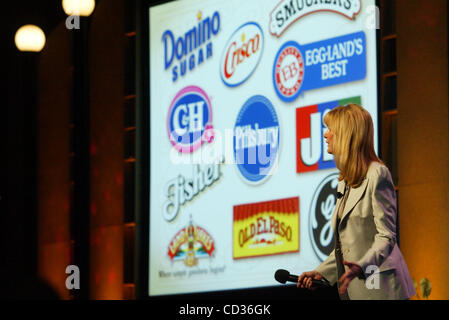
(283, 276)
(339, 195)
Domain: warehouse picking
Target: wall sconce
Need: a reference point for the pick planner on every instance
(30, 38)
(82, 8)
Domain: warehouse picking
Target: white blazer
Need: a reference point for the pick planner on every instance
(368, 237)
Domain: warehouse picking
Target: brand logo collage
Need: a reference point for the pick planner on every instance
(271, 226)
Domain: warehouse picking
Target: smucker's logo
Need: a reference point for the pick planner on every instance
(242, 54)
(321, 209)
(190, 244)
(189, 120)
(288, 11)
(183, 53)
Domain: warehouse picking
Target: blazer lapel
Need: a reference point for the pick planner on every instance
(354, 196)
(340, 189)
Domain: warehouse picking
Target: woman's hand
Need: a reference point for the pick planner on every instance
(305, 279)
(354, 270)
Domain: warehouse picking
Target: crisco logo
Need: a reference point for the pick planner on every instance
(241, 54)
(183, 53)
(189, 120)
(320, 218)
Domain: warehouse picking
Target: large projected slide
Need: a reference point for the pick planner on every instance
(240, 181)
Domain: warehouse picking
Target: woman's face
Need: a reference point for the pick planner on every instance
(328, 135)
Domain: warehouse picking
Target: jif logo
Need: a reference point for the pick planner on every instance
(311, 147)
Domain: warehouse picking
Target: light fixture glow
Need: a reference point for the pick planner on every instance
(30, 38)
(82, 8)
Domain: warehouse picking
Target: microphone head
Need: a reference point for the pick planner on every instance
(281, 275)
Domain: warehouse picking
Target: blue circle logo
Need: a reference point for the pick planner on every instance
(256, 139)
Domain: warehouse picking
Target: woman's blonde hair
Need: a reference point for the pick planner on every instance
(353, 141)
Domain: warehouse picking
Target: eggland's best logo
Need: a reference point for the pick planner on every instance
(321, 209)
(189, 120)
(298, 68)
(288, 71)
(256, 139)
(287, 12)
(266, 228)
(190, 244)
(241, 54)
(192, 48)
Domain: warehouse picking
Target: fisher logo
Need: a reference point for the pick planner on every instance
(320, 218)
(256, 139)
(180, 190)
(288, 71)
(242, 54)
(189, 120)
(266, 228)
(192, 48)
(311, 147)
(288, 11)
(298, 68)
(190, 244)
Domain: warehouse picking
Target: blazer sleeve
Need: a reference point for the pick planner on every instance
(328, 268)
(383, 198)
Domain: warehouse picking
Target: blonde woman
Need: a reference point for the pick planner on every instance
(366, 259)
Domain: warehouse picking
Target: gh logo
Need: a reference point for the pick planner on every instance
(188, 118)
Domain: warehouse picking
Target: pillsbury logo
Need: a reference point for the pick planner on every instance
(242, 54)
(321, 209)
(189, 120)
(256, 139)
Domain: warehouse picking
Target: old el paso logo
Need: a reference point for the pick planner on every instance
(242, 54)
(266, 228)
(288, 11)
(194, 44)
(311, 147)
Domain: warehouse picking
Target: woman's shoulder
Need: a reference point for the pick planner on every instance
(377, 169)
